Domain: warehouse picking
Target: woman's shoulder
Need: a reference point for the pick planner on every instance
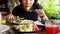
(17, 7)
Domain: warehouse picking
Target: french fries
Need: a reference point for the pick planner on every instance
(24, 27)
(28, 8)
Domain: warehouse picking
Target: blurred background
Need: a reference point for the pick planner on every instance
(51, 8)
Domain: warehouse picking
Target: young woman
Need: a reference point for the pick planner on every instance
(29, 9)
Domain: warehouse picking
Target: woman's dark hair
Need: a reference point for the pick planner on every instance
(34, 2)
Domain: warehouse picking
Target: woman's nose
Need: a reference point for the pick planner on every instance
(28, 1)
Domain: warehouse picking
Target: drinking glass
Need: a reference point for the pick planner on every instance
(52, 26)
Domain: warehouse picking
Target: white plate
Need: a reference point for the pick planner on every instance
(38, 23)
(4, 28)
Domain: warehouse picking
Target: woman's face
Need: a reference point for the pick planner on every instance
(28, 3)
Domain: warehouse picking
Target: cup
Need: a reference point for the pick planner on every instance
(3, 21)
(52, 26)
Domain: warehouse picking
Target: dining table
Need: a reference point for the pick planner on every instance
(41, 32)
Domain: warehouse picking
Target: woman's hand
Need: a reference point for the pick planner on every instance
(10, 18)
(41, 14)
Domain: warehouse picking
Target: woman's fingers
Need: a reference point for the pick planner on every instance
(39, 12)
(10, 17)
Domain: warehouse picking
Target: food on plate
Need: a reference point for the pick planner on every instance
(16, 27)
(26, 22)
(26, 26)
(35, 27)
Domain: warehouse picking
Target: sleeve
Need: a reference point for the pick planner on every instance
(39, 6)
(14, 12)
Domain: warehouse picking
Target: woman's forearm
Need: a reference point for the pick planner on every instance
(43, 15)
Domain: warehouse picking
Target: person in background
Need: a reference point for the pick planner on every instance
(13, 2)
(29, 9)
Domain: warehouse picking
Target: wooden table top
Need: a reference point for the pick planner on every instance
(41, 32)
